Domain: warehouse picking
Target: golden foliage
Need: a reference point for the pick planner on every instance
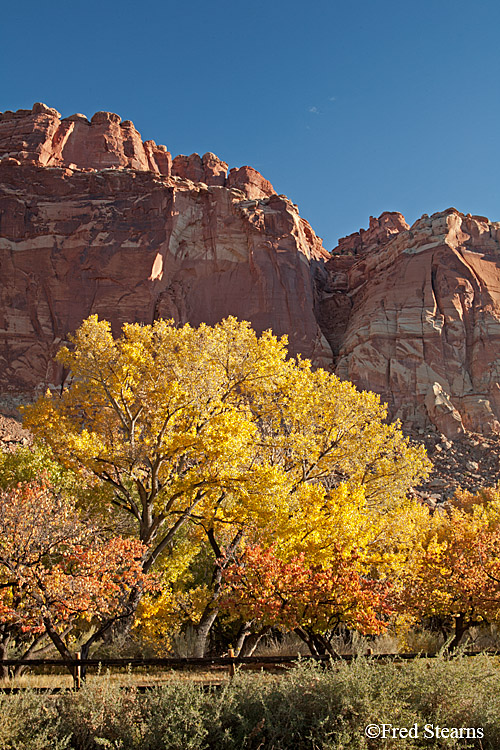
(213, 431)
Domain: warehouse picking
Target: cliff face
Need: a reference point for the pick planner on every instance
(39, 136)
(414, 314)
(92, 220)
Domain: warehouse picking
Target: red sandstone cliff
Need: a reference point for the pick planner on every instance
(414, 314)
(92, 220)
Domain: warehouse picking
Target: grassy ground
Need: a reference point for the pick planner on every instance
(124, 678)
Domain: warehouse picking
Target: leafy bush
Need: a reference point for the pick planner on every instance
(309, 708)
(30, 722)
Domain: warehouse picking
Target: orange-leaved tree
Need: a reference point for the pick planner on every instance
(310, 599)
(454, 571)
(58, 572)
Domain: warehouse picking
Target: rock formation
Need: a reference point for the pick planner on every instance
(93, 220)
(414, 314)
(40, 137)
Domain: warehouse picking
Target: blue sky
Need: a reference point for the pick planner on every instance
(348, 108)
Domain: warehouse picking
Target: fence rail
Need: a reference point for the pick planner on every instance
(223, 661)
(231, 662)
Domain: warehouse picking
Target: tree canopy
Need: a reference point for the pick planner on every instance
(453, 571)
(214, 432)
(58, 570)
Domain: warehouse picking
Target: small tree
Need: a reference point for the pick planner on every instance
(310, 599)
(57, 572)
(454, 575)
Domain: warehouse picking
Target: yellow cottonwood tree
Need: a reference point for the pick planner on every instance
(214, 427)
(162, 415)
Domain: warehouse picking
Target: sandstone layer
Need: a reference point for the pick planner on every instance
(414, 314)
(93, 220)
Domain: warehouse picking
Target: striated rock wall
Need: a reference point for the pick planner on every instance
(420, 318)
(93, 220)
(94, 226)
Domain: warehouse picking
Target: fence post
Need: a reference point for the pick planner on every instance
(232, 668)
(77, 674)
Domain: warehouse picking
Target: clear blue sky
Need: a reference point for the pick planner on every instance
(348, 108)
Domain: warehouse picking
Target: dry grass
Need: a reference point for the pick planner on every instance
(133, 679)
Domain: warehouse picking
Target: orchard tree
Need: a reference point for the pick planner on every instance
(311, 600)
(214, 429)
(333, 563)
(454, 574)
(58, 574)
(314, 524)
(30, 463)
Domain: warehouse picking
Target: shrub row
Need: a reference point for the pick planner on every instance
(309, 707)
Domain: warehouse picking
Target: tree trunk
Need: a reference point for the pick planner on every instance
(317, 644)
(202, 631)
(209, 616)
(121, 625)
(4, 644)
(244, 631)
(32, 652)
(252, 641)
(322, 645)
(59, 643)
(461, 627)
(308, 640)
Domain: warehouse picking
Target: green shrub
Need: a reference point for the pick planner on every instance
(31, 722)
(103, 715)
(308, 708)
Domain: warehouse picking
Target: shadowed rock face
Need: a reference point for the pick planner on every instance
(419, 318)
(91, 223)
(93, 220)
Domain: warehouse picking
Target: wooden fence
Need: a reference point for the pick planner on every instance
(77, 666)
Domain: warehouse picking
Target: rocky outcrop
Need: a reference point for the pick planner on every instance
(91, 223)
(94, 220)
(379, 233)
(250, 182)
(208, 169)
(419, 318)
(40, 137)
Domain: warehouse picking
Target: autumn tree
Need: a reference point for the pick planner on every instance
(311, 600)
(343, 473)
(333, 563)
(454, 571)
(213, 429)
(58, 573)
(29, 463)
